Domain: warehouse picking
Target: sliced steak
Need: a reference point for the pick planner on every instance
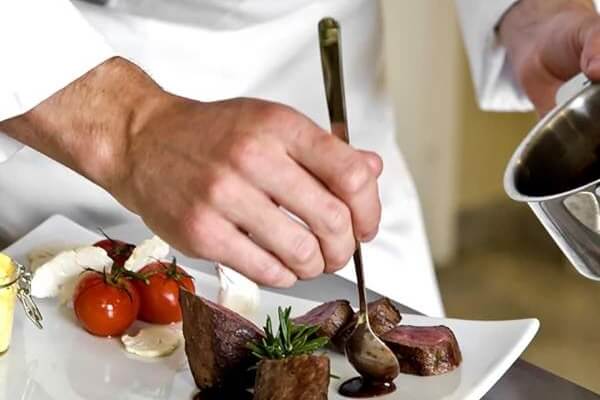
(425, 351)
(383, 316)
(330, 317)
(215, 341)
(296, 378)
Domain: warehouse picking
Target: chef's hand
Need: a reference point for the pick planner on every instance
(550, 41)
(210, 177)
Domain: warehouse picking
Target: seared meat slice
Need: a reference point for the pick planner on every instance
(296, 378)
(330, 317)
(215, 341)
(383, 316)
(431, 350)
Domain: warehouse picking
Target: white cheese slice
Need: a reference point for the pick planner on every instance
(153, 341)
(237, 292)
(150, 250)
(59, 275)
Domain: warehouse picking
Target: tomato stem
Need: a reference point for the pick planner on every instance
(135, 275)
(106, 236)
(115, 278)
(172, 272)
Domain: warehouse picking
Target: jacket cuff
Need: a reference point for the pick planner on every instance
(495, 84)
(8, 147)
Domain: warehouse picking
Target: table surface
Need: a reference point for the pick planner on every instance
(523, 381)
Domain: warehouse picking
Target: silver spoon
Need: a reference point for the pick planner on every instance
(365, 351)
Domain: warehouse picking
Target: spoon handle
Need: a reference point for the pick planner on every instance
(333, 77)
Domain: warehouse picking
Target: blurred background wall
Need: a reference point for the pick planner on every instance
(494, 259)
(457, 153)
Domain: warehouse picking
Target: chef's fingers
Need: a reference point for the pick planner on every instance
(374, 161)
(210, 236)
(249, 259)
(269, 226)
(293, 188)
(345, 172)
(589, 43)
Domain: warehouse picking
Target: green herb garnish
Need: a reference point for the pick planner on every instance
(290, 339)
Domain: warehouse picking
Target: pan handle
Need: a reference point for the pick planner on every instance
(579, 243)
(571, 88)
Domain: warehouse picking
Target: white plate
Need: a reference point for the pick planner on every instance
(63, 362)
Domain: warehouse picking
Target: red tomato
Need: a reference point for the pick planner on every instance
(159, 295)
(106, 305)
(118, 250)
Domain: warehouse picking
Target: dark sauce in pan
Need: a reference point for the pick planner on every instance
(360, 388)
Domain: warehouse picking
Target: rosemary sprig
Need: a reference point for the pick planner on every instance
(290, 339)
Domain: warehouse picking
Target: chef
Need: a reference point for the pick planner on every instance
(206, 118)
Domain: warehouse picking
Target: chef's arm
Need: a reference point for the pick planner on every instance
(212, 178)
(550, 41)
(85, 126)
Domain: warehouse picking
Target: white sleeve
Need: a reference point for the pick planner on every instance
(45, 46)
(495, 85)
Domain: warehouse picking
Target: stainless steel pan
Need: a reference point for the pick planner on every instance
(556, 170)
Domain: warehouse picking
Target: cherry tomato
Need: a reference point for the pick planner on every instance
(105, 304)
(118, 250)
(159, 294)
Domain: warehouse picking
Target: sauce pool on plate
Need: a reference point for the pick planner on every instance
(360, 388)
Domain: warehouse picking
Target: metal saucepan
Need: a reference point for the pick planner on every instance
(556, 170)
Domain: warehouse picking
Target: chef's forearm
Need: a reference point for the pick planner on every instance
(521, 20)
(88, 125)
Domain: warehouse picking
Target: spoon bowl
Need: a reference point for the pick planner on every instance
(371, 358)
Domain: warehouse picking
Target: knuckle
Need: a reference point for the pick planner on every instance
(286, 284)
(264, 270)
(270, 273)
(304, 247)
(201, 231)
(271, 116)
(337, 217)
(282, 121)
(220, 188)
(354, 177)
(311, 271)
(337, 259)
(245, 152)
(274, 112)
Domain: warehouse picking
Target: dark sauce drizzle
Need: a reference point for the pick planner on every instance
(360, 388)
(236, 394)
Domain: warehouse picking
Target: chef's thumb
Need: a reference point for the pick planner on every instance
(375, 162)
(590, 56)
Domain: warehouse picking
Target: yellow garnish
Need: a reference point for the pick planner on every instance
(7, 268)
(7, 300)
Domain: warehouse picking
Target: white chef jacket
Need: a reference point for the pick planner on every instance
(216, 49)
